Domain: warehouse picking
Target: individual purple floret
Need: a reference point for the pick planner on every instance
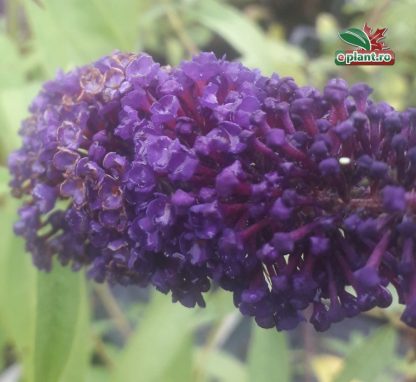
(300, 203)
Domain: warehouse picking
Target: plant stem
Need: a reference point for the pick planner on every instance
(101, 352)
(393, 320)
(179, 28)
(113, 309)
(219, 334)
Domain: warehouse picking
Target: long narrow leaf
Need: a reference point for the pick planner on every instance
(268, 357)
(17, 288)
(14, 103)
(243, 34)
(70, 33)
(57, 314)
(78, 361)
(257, 49)
(153, 348)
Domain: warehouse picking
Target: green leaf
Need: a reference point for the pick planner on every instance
(11, 66)
(58, 311)
(76, 368)
(14, 103)
(268, 355)
(243, 34)
(357, 37)
(3, 343)
(4, 181)
(70, 33)
(342, 347)
(97, 374)
(220, 303)
(17, 287)
(246, 37)
(180, 369)
(220, 365)
(371, 358)
(153, 347)
(277, 56)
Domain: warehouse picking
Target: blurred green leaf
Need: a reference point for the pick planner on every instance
(97, 374)
(269, 354)
(4, 180)
(59, 313)
(3, 342)
(245, 36)
(180, 369)
(17, 287)
(220, 365)
(342, 347)
(70, 33)
(392, 87)
(53, 42)
(14, 103)
(285, 59)
(356, 6)
(371, 358)
(406, 367)
(174, 51)
(102, 326)
(327, 29)
(79, 357)
(220, 303)
(11, 67)
(152, 349)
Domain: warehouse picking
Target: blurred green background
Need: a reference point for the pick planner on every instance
(60, 327)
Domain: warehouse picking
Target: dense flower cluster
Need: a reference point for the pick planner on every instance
(210, 172)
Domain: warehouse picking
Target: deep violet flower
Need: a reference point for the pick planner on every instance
(212, 173)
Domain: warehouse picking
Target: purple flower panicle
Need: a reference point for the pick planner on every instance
(212, 173)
